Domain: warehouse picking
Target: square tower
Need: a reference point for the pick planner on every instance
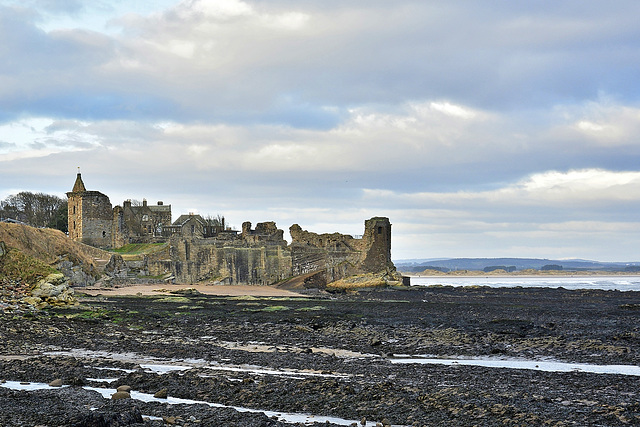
(90, 216)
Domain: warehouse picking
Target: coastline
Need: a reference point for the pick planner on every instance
(528, 274)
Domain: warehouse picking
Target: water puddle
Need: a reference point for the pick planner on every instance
(539, 365)
(28, 386)
(162, 366)
(281, 416)
(163, 369)
(292, 418)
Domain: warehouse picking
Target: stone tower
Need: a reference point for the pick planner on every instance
(377, 244)
(90, 216)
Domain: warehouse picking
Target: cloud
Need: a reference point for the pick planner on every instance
(602, 123)
(549, 189)
(464, 123)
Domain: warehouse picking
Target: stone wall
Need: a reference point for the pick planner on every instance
(255, 257)
(262, 256)
(207, 260)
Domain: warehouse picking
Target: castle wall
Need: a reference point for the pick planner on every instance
(262, 256)
(254, 257)
(198, 260)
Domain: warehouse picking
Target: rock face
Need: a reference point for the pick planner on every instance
(52, 290)
(262, 256)
(256, 257)
(116, 267)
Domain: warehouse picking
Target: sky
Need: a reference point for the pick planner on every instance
(493, 128)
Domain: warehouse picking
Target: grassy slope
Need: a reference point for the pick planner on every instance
(48, 245)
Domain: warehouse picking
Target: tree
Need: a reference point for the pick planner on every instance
(35, 209)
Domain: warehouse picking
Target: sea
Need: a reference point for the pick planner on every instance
(620, 283)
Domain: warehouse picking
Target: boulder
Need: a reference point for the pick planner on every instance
(116, 267)
(56, 383)
(124, 388)
(161, 394)
(53, 289)
(120, 395)
(3, 249)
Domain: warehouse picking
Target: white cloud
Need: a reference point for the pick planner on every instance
(585, 186)
(603, 122)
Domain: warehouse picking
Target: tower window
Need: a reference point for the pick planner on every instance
(379, 230)
(74, 209)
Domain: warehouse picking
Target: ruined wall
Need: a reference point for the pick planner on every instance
(338, 256)
(256, 257)
(199, 260)
(376, 241)
(262, 256)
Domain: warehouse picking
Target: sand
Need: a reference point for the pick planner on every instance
(223, 290)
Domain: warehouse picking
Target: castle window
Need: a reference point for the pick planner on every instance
(74, 209)
(379, 230)
(104, 234)
(193, 229)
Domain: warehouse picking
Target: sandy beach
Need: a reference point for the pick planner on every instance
(220, 290)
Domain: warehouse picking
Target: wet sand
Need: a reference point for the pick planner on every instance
(228, 290)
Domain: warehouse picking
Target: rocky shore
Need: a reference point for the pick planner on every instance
(276, 361)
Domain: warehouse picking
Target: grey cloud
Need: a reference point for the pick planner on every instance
(5, 145)
(354, 54)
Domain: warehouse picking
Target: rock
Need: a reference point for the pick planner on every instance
(120, 395)
(375, 342)
(171, 420)
(161, 394)
(3, 249)
(56, 383)
(124, 388)
(34, 301)
(363, 421)
(53, 289)
(116, 267)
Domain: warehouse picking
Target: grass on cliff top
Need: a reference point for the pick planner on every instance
(16, 265)
(139, 248)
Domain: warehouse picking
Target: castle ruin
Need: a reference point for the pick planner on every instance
(200, 250)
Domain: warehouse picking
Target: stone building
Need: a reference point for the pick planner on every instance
(90, 216)
(202, 249)
(93, 220)
(140, 223)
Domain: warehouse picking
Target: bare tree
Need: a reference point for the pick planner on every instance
(35, 209)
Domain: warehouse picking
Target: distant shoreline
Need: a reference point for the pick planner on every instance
(481, 274)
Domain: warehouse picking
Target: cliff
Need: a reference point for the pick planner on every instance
(262, 256)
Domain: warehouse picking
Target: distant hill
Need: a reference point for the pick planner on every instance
(418, 265)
